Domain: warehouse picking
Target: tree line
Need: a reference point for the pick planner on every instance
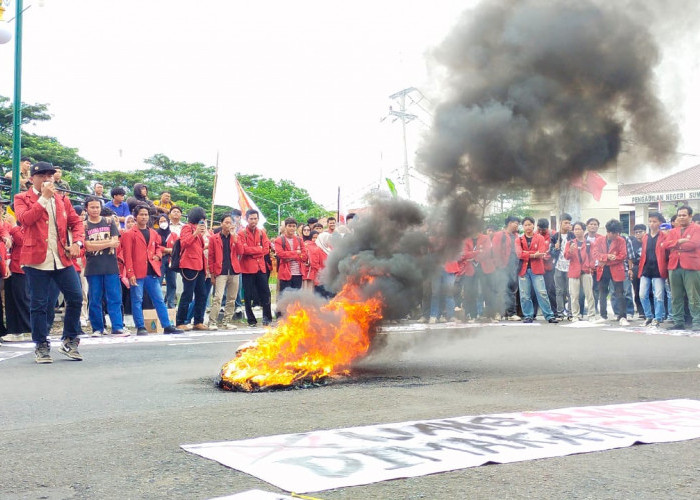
(190, 184)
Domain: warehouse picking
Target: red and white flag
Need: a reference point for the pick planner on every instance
(236, 197)
(591, 182)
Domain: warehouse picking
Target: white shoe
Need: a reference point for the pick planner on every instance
(18, 337)
(422, 319)
(230, 326)
(514, 317)
(574, 319)
(599, 321)
(442, 320)
(213, 326)
(97, 333)
(655, 323)
(432, 320)
(624, 322)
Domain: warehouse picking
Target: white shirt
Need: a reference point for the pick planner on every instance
(53, 260)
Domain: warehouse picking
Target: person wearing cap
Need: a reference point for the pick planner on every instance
(25, 180)
(53, 235)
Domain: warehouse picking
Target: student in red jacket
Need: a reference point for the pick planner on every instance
(224, 253)
(506, 262)
(543, 229)
(581, 268)
(683, 245)
(292, 256)
(193, 269)
(476, 268)
(653, 271)
(611, 252)
(532, 249)
(142, 256)
(47, 218)
(256, 245)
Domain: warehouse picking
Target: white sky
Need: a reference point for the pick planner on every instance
(283, 89)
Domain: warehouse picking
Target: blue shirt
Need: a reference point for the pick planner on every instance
(121, 211)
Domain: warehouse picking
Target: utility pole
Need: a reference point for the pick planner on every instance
(405, 118)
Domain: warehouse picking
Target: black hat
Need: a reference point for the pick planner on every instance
(41, 167)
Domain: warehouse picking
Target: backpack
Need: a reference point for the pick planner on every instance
(175, 257)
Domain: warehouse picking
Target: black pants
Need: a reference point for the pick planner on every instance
(551, 289)
(295, 283)
(621, 304)
(17, 304)
(635, 287)
(193, 283)
(256, 285)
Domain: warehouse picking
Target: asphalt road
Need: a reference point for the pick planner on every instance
(112, 425)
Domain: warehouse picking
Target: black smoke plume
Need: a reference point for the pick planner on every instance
(540, 91)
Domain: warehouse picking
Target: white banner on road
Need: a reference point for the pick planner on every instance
(321, 460)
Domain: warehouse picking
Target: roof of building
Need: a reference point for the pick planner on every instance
(630, 189)
(680, 181)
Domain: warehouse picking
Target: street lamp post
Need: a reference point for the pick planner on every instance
(17, 116)
(5, 37)
(279, 206)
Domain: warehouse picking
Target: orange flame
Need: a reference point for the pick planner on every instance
(309, 344)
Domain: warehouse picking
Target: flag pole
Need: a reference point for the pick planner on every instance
(213, 195)
(337, 215)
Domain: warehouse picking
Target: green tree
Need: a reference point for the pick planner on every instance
(284, 196)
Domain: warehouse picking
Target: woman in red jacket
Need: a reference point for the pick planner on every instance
(167, 239)
(193, 269)
(318, 251)
(581, 268)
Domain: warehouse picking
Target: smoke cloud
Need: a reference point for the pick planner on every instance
(540, 91)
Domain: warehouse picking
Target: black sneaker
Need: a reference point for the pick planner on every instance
(648, 321)
(553, 320)
(140, 332)
(171, 330)
(252, 325)
(42, 354)
(528, 320)
(69, 347)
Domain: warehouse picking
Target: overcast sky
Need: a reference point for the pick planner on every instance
(283, 89)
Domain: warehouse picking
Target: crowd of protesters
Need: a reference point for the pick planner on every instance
(112, 257)
(569, 274)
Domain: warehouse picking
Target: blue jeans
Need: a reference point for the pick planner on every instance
(535, 281)
(68, 282)
(170, 277)
(109, 287)
(151, 284)
(443, 286)
(658, 285)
